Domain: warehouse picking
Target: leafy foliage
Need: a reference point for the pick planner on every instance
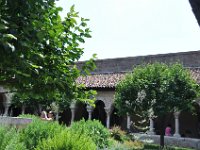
(15, 144)
(93, 129)
(47, 135)
(156, 89)
(37, 131)
(118, 134)
(127, 145)
(39, 51)
(68, 140)
(9, 139)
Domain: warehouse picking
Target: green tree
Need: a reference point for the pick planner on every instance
(155, 90)
(39, 51)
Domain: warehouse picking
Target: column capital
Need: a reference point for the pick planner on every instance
(73, 105)
(89, 108)
(7, 104)
(9, 97)
(108, 110)
(176, 114)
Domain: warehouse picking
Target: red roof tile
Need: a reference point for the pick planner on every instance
(110, 80)
(195, 74)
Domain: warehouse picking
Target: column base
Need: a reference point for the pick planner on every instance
(177, 135)
(151, 133)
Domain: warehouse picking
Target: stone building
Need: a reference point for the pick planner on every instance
(104, 80)
(110, 71)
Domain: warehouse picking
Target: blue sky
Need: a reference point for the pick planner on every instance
(122, 28)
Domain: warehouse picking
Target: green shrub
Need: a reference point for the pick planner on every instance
(6, 135)
(118, 146)
(14, 144)
(9, 139)
(3, 131)
(93, 129)
(37, 131)
(134, 145)
(67, 140)
(29, 116)
(118, 134)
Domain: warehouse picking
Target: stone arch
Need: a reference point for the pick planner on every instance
(116, 120)
(2, 102)
(169, 120)
(107, 97)
(65, 117)
(81, 111)
(99, 112)
(14, 110)
(190, 123)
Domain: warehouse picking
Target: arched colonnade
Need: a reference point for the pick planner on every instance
(106, 113)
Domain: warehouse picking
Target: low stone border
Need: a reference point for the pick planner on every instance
(170, 140)
(14, 121)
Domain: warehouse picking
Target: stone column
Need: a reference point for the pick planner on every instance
(6, 105)
(23, 109)
(73, 108)
(39, 108)
(176, 116)
(7, 102)
(89, 110)
(128, 125)
(57, 116)
(151, 127)
(108, 111)
(11, 112)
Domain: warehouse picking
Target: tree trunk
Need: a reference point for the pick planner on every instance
(162, 132)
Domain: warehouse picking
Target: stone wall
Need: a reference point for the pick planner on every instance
(188, 59)
(107, 97)
(170, 140)
(14, 121)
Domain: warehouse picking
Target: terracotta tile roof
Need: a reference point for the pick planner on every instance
(110, 80)
(101, 80)
(195, 74)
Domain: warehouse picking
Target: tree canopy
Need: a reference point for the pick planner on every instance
(39, 50)
(156, 89)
